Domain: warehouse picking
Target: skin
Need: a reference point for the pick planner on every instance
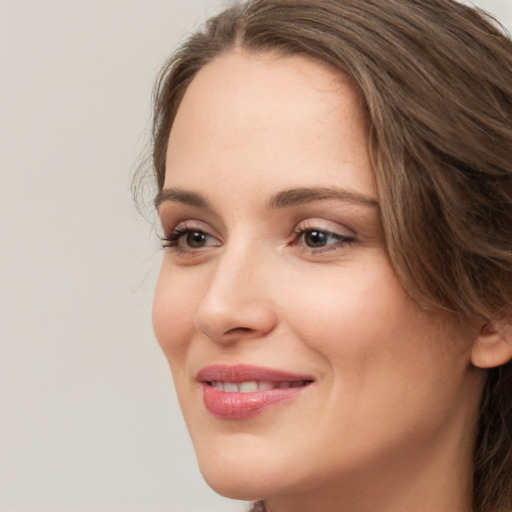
(388, 424)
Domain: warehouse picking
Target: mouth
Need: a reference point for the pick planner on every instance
(253, 386)
(241, 392)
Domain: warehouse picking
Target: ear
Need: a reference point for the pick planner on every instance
(493, 346)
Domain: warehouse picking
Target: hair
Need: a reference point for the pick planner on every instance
(435, 78)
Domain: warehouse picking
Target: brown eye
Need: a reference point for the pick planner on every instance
(316, 238)
(320, 239)
(189, 239)
(196, 239)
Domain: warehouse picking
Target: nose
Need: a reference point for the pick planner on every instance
(237, 305)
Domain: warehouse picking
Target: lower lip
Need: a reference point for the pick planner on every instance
(240, 406)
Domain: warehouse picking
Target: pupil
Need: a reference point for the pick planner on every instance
(196, 239)
(315, 238)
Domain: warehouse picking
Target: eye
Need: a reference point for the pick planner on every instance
(311, 238)
(317, 239)
(195, 239)
(188, 239)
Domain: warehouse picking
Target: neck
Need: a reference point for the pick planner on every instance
(433, 479)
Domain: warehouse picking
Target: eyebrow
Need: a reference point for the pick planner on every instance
(296, 196)
(281, 200)
(180, 196)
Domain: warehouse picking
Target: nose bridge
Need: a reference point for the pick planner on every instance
(237, 303)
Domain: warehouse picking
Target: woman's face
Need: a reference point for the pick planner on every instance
(299, 360)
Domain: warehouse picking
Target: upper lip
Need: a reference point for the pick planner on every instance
(245, 373)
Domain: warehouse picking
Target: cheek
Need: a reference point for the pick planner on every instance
(352, 309)
(174, 304)
(371, 334)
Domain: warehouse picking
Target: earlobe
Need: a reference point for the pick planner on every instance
(493, 346)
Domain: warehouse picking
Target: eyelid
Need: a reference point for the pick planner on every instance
(324, 225)
(192, 225)
(172, 213)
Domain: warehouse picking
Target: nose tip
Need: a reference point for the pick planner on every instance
(237, 303)
(233, 319)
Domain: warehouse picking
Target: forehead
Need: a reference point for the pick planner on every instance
(267, 112)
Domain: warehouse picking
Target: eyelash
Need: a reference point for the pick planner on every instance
(173, 239)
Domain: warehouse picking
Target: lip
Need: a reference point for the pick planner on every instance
(239, 405)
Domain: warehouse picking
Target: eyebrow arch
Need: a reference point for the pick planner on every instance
(283, 199)
(180, 196)
(295, 196)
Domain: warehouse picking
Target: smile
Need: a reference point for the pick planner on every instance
(241, 392)
(253, 386)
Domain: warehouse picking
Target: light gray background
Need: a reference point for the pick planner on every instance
(89, 420)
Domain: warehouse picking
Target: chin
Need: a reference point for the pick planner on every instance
(247, 486)
(242, 475)
(235, 491)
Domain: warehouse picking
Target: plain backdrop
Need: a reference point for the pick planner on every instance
(89, 419)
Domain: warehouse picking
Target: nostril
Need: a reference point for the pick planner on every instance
(239, 330)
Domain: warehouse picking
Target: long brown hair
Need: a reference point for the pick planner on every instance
(436, 81)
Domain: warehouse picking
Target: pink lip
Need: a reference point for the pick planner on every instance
(238, 405)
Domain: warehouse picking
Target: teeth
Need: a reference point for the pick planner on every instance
(231, 387)
(248, 387)
(265, 385)
(253, 386)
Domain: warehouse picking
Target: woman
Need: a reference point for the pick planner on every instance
(335, 190)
